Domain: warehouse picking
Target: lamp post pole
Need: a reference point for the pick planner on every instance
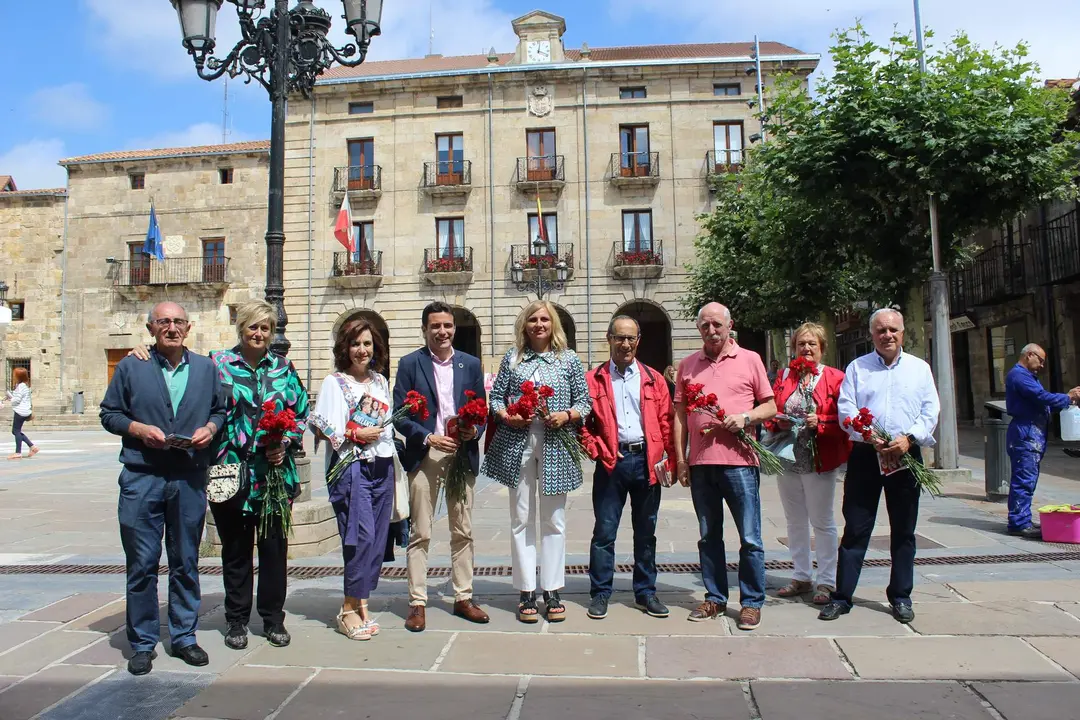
(285, 52)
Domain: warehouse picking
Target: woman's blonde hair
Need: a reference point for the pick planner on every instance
(521, 339)
(251, 313)
(812, 328)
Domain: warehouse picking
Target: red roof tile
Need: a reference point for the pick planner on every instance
(196, 150)
(634, 52)
(5, 180)
(34, 193)
(1063, 83)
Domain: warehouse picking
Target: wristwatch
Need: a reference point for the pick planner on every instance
(746, 419)
(912, 440)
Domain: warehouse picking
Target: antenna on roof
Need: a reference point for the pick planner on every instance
(225, 115)
(431, 26)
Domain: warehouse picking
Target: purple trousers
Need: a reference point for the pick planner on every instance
(363, 500)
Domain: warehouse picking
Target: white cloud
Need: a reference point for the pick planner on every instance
(465, 27)
(204, 133)
(68, 107)
(1048, 26)
(33, 164)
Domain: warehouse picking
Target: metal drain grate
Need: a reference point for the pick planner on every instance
(312, 572)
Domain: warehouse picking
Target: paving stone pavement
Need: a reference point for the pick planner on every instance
(989, 641)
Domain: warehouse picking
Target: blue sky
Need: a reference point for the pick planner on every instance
(112, 75)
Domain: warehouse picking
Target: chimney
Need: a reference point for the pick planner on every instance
(586, 53)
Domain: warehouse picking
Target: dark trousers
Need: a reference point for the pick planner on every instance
(149, 505)
(630, 477)
(238, 532)
(863, 486)
(363, 500)
(17, 421)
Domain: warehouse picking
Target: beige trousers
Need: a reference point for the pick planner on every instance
(424, 484)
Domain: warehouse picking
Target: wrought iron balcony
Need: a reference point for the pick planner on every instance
(362, 182)
(959, 302)
(357, 272)
(529, 262)
(628, 169)
(997, 275)
(212, 273)
(1055, 250)
(448, 266)
(447, 177)
(635, 263)
(722, 162)
(545, 172)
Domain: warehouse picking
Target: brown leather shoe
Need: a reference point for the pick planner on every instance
(749, 618)
(417, 620)
(707, 611)
(469, 610)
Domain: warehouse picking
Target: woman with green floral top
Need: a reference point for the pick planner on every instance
(250, 376)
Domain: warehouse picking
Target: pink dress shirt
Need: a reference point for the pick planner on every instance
(738, 379)
(444, 391)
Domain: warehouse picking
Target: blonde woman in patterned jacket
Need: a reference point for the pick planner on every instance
(527, 457)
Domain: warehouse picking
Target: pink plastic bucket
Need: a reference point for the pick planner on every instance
(1060, 527)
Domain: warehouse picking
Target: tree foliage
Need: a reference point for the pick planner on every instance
(834, 207)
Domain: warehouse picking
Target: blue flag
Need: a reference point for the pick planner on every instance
(154, 246)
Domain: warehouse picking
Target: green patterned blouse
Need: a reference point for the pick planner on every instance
(246, 389)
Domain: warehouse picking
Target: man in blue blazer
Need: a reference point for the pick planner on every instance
(167, 411)
(442, 375)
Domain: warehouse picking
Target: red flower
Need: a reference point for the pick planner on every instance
(528, 387)
(803, 366)
(546, 391)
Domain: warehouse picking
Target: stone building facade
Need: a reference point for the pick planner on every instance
(443, 160)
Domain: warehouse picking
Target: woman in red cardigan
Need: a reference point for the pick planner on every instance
(808, 487)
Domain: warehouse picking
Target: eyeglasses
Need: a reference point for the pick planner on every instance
(628, 339)
(166, 322)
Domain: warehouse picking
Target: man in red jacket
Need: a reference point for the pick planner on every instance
(628, 433)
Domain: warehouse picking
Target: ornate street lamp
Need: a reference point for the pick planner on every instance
(285, 51)
(542, 284)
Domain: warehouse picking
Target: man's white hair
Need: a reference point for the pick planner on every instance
(883, 311)
(727, 313)
(1031, 347)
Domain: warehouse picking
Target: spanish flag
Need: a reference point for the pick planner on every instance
(540, 221)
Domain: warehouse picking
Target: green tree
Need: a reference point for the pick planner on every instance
(834, 207)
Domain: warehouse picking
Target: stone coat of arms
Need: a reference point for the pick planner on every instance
(540, 102)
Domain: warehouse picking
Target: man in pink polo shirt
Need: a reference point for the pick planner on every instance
(720, 468)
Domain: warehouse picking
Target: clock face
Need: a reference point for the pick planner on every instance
(538, 51)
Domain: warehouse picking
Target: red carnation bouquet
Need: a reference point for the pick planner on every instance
(472, 415)
(805, 368)
(697, 401)
(533, 401)
(414, 404)
(865, 425)
(275, 495)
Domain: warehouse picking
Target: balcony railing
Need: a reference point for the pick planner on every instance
(1055, 249)
(448, 176)
(721, 162)
(635, 166)
(173, 271)
(959, 301)
(626, 254)
(540, 171)
(531, 260)
(997, 275)
(361, 179)
(448, 260)
(346, 264)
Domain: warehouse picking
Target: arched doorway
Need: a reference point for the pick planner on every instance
(467, 332)
(655, 347)
(568, 327)
(377, 322)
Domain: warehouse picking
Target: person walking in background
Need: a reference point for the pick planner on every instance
(167, 411)
(527, 456)
(628, 433)
(808, 486)
(774, 371)
(21, 411)
(353, 403)
(670, 373)
(898, 389)
(720, 467)
(442, 375)
(1030, 405)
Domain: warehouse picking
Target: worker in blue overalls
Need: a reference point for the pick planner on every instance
(1029, 404)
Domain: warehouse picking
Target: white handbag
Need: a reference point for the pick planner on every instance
(401, 492)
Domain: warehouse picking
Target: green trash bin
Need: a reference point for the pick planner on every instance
(995, 451)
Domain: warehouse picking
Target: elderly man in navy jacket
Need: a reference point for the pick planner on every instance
(442, 375)
(167, 412)
(1029, 404)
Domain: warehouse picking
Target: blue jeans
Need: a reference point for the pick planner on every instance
(150, 504)
(710, 487)
(630, 477)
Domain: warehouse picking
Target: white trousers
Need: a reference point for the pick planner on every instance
(808, 501)
(524, 500)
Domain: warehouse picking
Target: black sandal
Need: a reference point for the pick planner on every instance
(526, 602)
(556, 611)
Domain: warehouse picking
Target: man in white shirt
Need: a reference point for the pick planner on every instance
(899, 391)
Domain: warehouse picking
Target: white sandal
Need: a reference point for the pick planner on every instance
(360, 632)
